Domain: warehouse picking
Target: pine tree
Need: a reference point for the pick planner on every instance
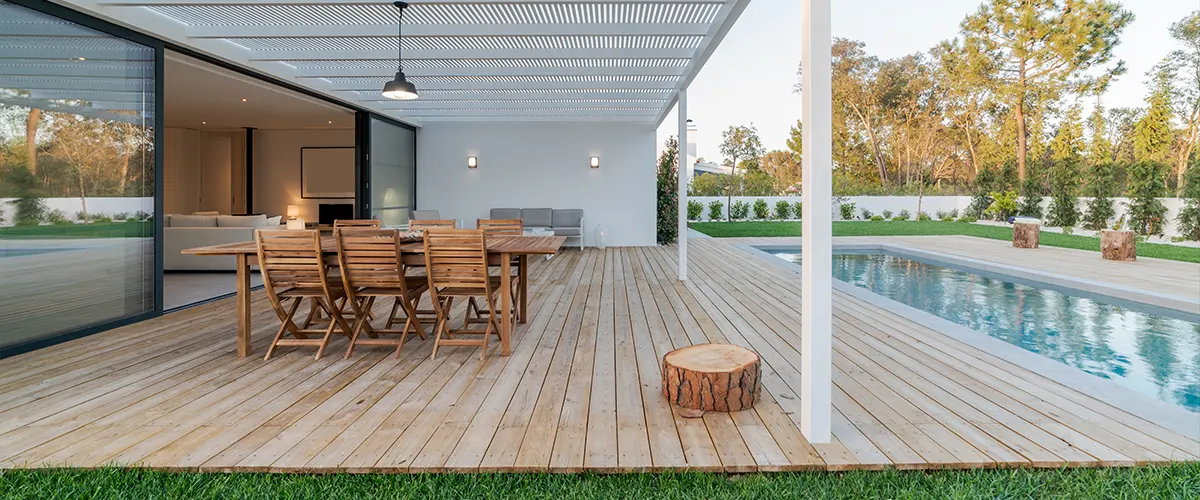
(1153, 135)
(1146, 213)
(1189, 216)
(668, 193)
(1101, 183)
(1066, 157)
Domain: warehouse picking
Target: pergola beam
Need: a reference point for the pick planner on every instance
(506, 71)
(530, 111)
(414, 54)
(510, 85)
(151, 3)
(521, 104)
(80, 70)
(444, 30)
(65, 54)
(435, 97)
(729, 13)
(86, 84)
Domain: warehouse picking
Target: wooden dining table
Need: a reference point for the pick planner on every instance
(506, 248)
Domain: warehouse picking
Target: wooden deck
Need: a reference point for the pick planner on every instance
(580, 391)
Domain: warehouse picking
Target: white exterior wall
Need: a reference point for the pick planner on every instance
(543, 166)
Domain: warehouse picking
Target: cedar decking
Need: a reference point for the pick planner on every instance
(579, 392)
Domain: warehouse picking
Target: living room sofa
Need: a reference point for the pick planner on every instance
(181, 232)
(563, 221)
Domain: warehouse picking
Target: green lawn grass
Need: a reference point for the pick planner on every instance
(1178, 481)
(129, 229)
(914, 228)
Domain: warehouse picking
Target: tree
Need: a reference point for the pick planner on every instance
(32, 123)
(1189, 216)
(1066, 157)
(739, 143)
(668, 193)
(1186, 92)
(795, 141)
(29, 209)
(784, 166)
(706, 185)
(1100, 188)
(1146, 213)
(964, 78)
(1039, 49)
(1153, 135)
(89, 148)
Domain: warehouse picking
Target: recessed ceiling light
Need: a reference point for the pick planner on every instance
(330, 122)
(204, 123)
(81, 58)
(243, 99)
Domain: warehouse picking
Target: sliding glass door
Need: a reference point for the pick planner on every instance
(77, 177)
(392, 165)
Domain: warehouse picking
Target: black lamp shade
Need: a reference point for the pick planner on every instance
(400, 88)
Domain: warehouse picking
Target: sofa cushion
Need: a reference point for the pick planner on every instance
(273, 221)
(567, 231)
(241, 221)
(426, 215)
(567, 217)
(535, 217)
(505, 213)
(209, 212)
(178, 220)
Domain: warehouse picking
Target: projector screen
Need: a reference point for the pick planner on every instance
(327, 172)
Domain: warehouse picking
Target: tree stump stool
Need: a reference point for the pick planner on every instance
(711, 377)
(1118, 245)
(1026, 234)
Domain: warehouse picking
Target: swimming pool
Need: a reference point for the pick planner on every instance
(1150, 350)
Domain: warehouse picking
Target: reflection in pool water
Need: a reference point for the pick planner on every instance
(1147, 352)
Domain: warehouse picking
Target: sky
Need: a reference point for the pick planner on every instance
(750, 76)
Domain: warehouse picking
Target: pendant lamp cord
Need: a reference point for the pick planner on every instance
(400, 42)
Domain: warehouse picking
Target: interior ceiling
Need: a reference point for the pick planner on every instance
(203, 96)
(472, 60)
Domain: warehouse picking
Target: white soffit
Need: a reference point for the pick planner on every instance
(472, 60)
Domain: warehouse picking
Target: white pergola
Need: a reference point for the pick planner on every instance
(503, 61)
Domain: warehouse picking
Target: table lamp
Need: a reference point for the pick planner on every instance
(294, 222)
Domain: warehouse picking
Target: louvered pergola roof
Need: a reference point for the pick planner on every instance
(472, 60)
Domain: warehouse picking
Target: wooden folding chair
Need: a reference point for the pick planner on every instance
(505, 227)
(340, 223)
(372, 266)
(293, 269)
(456, 265)
(421, 225)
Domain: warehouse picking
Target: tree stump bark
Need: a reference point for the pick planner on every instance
(1026, 234)
(1118, 245)
(711, 377)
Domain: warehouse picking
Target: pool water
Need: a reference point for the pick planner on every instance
(1152, 351)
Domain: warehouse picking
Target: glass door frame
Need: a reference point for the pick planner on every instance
(362, 160)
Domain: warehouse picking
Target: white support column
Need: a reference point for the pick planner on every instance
(817, 251)
(683, 182)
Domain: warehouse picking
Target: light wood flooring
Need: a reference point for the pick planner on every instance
(581, 390)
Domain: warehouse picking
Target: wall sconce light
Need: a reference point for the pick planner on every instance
(472, 162)
(595, 162)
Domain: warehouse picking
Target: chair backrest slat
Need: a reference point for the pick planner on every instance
(289, 259)
(375, 223)
(456, 258)
(500, 227)
(421, 225)
(369, 257)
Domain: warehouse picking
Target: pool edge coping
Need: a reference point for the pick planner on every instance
(1153, 410)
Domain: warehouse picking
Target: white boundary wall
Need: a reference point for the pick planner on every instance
(69, 206)
(929, 205)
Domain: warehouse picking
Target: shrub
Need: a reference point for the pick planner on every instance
(695, 210)
(846, 210)
(947, 219)
(1146, 213)
(866, 214)
(967, 218)
(904, 214)
(141, 215)
(887, 214)
(923, 216)
(1067, 230)
(1189, 216)
(57, 216)
(101, 217)
(81, 216)
(739, 210)
(716, 210)
(953, 213)
(877, 218)
(121, 216)
(28, 208)
(1031, 200)
(783, 209)
(941, 214)
(1004, 205)
(798, 209)
(761, 211)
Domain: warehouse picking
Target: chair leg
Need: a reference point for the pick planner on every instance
(392, 315)
(286, 324)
